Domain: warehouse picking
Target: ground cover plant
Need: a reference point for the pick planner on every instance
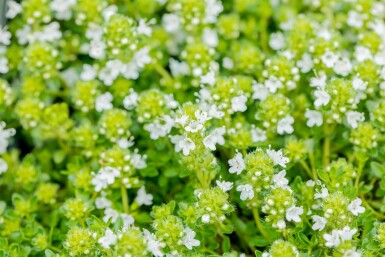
(191, 128)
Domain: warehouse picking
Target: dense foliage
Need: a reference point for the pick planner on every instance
(191, 128)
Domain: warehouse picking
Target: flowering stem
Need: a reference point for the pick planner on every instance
(124, 199)
(163, 72)
(307, 169)
(259, 223)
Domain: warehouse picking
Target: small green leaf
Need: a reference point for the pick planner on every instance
(226, 244)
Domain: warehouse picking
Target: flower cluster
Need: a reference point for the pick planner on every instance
(192, 128)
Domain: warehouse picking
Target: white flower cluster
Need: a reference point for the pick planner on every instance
(5, 134)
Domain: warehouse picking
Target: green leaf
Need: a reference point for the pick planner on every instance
(226, 244)
(323, 175)
(149, 171)
(259, 241)
(49, 253)
(377, 170)
(303, 239)
(258, 253)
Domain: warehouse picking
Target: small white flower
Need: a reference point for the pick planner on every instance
(352, 253)
(343, 67)
(258, 135)
(319, 81)
(260, 92)
(281, 224)
(194, 126)
(109, 11)
(143, 28)
(355, 207)
(347, 233)
(279, 179)
(97, 49)
(14, 8)
(178, 68)
(277, 41)
(110, 214)
(238, 103)
(187, 145)
(354, 117)
(319, 222)
(359, 84)
(210, 37)
(247, 192)
(124, 143)
(110, 72)
(62, 8)
(88, 73)
(224, 185)
(216, 137)
(293, 213)
(310, 183)
(237, 164)
(208, 78)
(4, 65)
(103, 102)
(314, 118)
(285, 125)
(355, 19)
(143, 198)
(3, 166)
(306, 63)
(142, 57)
(106, 176)
(5, 134)
(322, 97)
(108, 239)
(153, 245)
(189, 239)
(273, 84)
(213, 9)
(329, 59)
(202, 116)
(205, 218)
(5, 36)
(138, 161)
(128, 220)
(102, 202)
(333, 239)
(323, 194)
(362, 53)
(131, 100)
(277, 157)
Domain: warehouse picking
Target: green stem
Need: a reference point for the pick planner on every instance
(307, 169)
(375, 213)
(124, 199)
(163, 72)
(259, 223)
(326, 151)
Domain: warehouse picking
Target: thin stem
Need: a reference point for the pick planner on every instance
(259, 223)
(307, 169)
(124, 199)
(163, 72)
(312, 164)
(326, 151)
(375, 213)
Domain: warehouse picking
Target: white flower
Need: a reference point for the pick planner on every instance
(329, 59)
(323, 194)
(138, 161)
(285, 125)
(279, 179)
(210, 37)
(202, 116)
(362, 53)
(4, 65)
(208, 78)
(293, 213)
(103, 102)
(310, 183)
(5, 134)
(319, 222)
(216, 137)
(354, 117)
(238, 103)
(237, 164)
(128, 220)
(102, 202)
(5, 36)
(130, 70)
(171, 22)
(110, 72)
(332, 239)
(194, 126)
(205, 218)
(277, 41)
(108, 239)
(359, 84)
(131, 100)
(62, 8)
(355, 19)
(143, 28)
(97, 49)
(343, 67)
(153, 245)
(109, 11)
(106, 176)
(94, 32)
(347, 233)
(318, 82)
(258, 135)
(187, 145)
(322, 97)
(355, 207)
(306, 63)
(124, 143)
(247, 192)
(224, 185)
(277, 157)
(189, 239)
(14, 9)
(260, 92)
(110, 214)
(143, 198)
(3, 166)
(142, 57)
(160, 127)
(227, 63)
(281, 224)
(352, 253)
(213, 9)
(178, 68)
(314, 118)
(273, 84)
(88, 73)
